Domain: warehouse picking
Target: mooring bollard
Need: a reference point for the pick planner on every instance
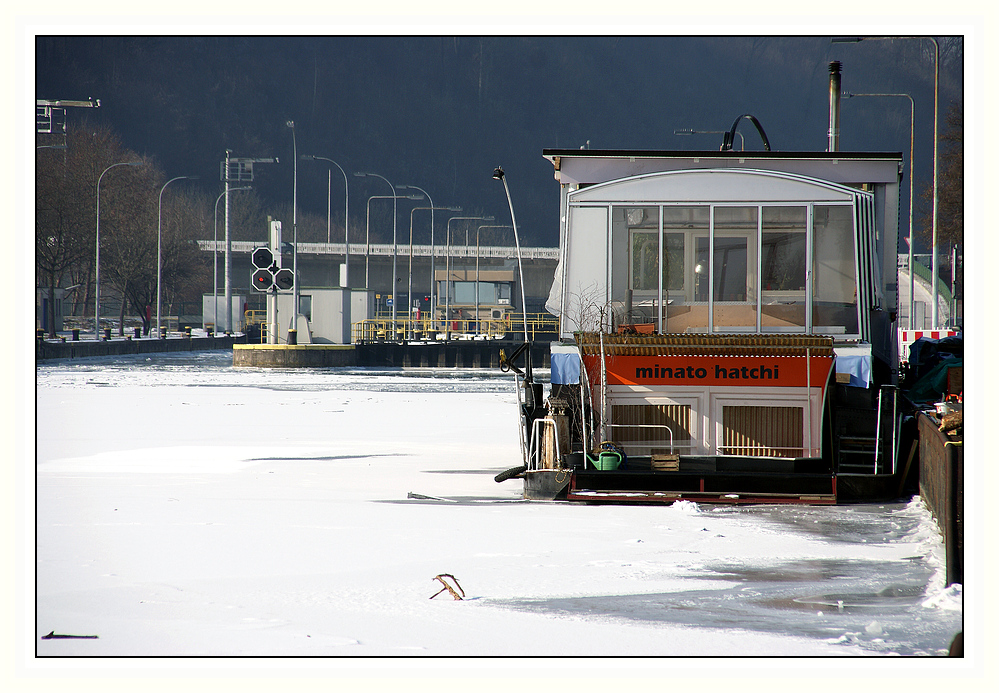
(137, 332)
(107, 334)
(76, 334)
(292, 336)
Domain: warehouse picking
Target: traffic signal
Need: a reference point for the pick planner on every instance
(284, 279)
(262, 257)
(267, 272)
(262, 280)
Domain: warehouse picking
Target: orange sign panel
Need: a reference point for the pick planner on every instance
(731, 371)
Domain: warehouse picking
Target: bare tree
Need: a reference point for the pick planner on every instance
(65, 233)
(950, 192)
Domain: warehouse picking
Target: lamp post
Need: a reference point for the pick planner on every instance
(409, 289)
(477, 232)
(936, 113)
(215, 257)
(688, 131)
(97, 257)
(395, 245)
(912, 121)
(498, 174)
(294, 225)
(367, 237)
(238, 170)
(447, 270)
(346, 225)
(367, 241)
(159, 250)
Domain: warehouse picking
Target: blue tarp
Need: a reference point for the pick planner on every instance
(858, 366)
(565, 369)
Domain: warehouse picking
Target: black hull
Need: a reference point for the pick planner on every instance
(717, 486)
(546, 485)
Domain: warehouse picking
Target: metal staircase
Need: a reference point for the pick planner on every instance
(867, 436)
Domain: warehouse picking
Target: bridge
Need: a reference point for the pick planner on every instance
(319, 265)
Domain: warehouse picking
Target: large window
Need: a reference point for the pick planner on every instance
(463, 292)
(734, 268)
(834, 273)
(784, 260)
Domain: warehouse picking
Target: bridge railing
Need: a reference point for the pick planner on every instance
(383, 329)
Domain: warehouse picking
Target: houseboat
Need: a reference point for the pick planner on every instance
(727, 330)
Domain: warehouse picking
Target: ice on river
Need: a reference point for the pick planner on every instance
(187, 508)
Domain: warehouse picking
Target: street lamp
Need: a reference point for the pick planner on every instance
(367, 240)
(912, 116)
(367, 236)
(294, 225)
(499, 175)
(447, 266)
(346, 225)
(159, 250)
(235, 170)
(936, 112)
(395, 245)
(409, 289)
(97, 257)
(215, 257)
(687, 131)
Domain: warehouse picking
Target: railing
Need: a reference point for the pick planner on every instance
(400, 250)
(633, 445)
(511, 326)
(534, 448)
(877, 455)
(254, 317)
(881, 435)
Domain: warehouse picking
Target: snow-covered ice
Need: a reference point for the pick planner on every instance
(187, 508)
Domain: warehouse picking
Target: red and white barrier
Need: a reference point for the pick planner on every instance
(907, 337)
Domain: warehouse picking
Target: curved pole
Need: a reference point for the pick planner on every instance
(730, 135)
(159, 251)
(499, 174)
(936, 114)
(294, 226)
(936, 138)
(346, 225)
(97, 257)
(215, 257)
(912, 123)
(367, 251)
(409, 289)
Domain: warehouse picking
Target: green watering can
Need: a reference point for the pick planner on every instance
(606, 461)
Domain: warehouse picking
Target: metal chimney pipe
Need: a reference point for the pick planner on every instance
(834, 95)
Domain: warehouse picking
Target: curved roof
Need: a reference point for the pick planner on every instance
(714, 185)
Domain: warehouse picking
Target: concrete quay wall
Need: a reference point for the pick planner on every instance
(383, 355)
(293, 355)
(50, 349)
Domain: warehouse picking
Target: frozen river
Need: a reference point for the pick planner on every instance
(186, 508)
